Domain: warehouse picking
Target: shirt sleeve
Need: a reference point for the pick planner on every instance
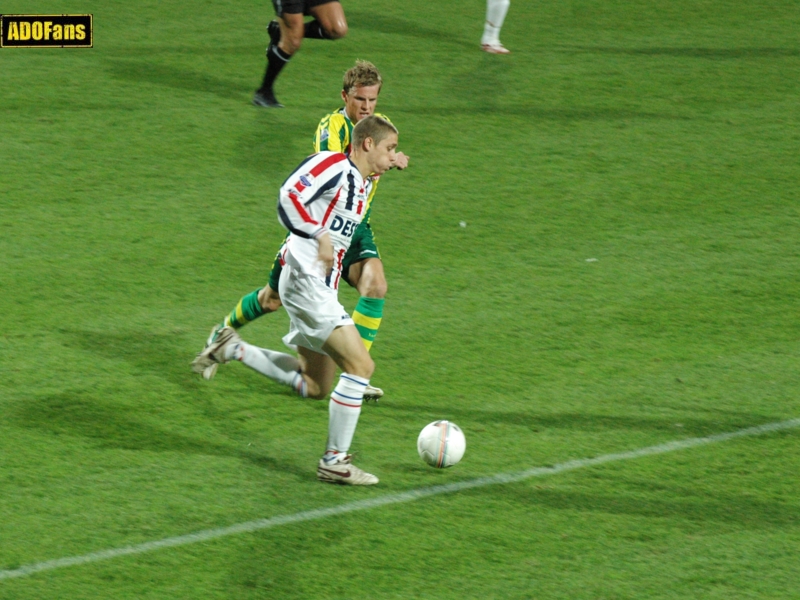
(332, 134)
(312, 181)
(321, 134)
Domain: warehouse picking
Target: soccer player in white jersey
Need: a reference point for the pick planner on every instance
(363, 266)
(495, 15)
(321, 204)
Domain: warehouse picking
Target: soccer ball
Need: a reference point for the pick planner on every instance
(441, 444)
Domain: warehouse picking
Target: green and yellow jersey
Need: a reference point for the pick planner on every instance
(334, 133)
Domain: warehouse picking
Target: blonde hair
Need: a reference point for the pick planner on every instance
(363, 74)
(372, 127)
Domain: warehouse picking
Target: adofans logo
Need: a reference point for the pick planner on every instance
(46, 31)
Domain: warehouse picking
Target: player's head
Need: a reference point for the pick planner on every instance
(363, 74)
(375, 128)
(375, 141)
(360, 88)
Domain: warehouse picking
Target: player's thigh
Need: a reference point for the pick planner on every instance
(319, 371)
(370, 278)
(347, 350)
(331, 16)
(362, 248)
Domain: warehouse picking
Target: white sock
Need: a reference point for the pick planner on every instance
(495, 15)
(343, 410)
(283, 368)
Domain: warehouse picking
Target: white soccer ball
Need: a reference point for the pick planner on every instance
(441, 444)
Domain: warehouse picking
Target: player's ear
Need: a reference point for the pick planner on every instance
(369, 143)
(344, 95)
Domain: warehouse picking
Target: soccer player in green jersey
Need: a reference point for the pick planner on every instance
(362, 265)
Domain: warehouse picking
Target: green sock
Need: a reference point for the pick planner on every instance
(248, 309)
(367, 317)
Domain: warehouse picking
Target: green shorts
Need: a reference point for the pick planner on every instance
(362, 247)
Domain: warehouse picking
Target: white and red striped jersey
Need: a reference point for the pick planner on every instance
(326, 193)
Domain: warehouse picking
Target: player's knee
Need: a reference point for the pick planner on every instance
(372, 287)
(291, 46)
(272, 305)
(375, 289)
(371, 281)
(364, 367)
(269, 299)
(315, 391)
(371, 368)
(317, 394)
(291, 41)
(336, 30)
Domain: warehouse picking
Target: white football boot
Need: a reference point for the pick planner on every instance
(372, 393)
(495, 48)
(343, 471)
(213, 354)
(209, 372)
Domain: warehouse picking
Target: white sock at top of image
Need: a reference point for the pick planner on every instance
(495, 15)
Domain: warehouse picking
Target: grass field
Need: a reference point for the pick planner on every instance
(627, 276)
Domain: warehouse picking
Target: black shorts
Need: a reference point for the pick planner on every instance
(296, 7)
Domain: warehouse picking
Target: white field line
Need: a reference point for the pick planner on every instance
(321, 513)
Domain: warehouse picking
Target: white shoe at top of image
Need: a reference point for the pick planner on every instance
(495, 48)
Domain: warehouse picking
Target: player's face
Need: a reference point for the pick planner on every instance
(361, 101)
(383, 154)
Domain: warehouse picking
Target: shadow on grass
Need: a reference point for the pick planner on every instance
(741, 511)
(678, 426)
(538, 113)
(179, 78)
(714, 53)
(165, 356)
(271, 149)
(87, 414)
(484, 84)
(84, 414)
(371, 21)
(189, 50)
(162, 355)
(480, 91)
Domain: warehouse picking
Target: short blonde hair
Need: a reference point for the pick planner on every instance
(363, 74)
(372, 127)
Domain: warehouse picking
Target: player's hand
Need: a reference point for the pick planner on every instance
(325, 252)
(400, 161)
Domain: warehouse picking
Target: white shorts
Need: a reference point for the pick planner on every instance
(313, 308)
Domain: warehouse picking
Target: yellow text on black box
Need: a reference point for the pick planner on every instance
(46, 31)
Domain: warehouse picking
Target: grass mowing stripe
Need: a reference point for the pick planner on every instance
(321, 513)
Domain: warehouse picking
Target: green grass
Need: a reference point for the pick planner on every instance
(137, 204)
